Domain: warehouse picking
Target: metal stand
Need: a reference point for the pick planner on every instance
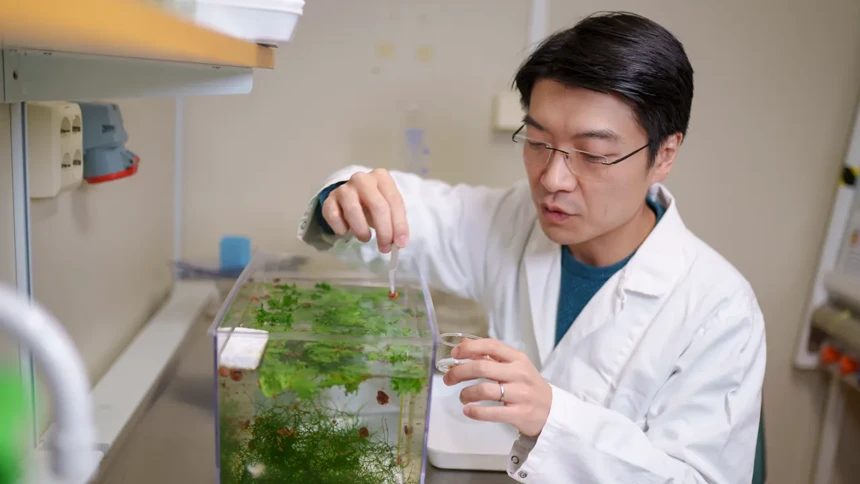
(843, 204)
(21, 234)
(831, 428)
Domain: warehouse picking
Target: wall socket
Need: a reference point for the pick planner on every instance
(55, 148)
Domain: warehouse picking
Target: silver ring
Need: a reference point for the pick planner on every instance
(501, 392)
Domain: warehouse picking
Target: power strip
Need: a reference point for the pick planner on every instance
(54, 147)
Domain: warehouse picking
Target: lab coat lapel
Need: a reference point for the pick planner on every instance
(657, 265)
(542, 262)
(622, 310)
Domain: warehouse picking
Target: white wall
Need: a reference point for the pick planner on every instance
(338, 96)
(776, 88)
(101, 253)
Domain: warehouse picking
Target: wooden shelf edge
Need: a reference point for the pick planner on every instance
(122, 28)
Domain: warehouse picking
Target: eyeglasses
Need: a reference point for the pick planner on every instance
(580, 163)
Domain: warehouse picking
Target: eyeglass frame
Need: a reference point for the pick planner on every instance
(566, 154)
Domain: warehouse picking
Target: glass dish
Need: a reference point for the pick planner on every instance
(342, 392)
(444, 360)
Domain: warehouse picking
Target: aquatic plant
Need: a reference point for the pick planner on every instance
(303, 443)
(320, 337)
(307, 367)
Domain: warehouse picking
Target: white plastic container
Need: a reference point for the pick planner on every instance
(268, 22)
(457, 442)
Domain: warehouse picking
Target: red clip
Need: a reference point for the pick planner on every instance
(847, 366)
(829, 355)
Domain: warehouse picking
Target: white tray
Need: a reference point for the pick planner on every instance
(458, 442)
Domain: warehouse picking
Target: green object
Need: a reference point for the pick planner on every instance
(340, 393)
(12, 418)
(307, 367)
(760, 470)
(306, 443)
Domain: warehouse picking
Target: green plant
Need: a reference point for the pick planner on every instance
(306, 367)
(302, 443)
(12, 428)
(321, 337)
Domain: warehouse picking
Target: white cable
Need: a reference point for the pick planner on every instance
(74, 438)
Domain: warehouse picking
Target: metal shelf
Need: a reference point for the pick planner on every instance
(97, 49)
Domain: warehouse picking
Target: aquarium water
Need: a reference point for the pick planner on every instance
(341, 393)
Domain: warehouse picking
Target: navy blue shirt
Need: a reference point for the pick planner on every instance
(580, 282)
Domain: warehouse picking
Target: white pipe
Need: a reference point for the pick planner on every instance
(21, 231)
(537, 22)
(831, 427)
(74, 439)
(178, 172)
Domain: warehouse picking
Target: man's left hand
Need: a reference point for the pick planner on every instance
(528, 396)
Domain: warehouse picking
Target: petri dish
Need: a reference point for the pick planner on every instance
(444, 360)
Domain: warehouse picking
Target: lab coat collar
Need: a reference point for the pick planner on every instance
(652, 271)
(658, 262)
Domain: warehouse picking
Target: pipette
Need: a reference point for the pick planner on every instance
(392, 270)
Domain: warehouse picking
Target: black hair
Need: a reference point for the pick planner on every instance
(625, 54)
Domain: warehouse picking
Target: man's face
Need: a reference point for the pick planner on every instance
(574, 208)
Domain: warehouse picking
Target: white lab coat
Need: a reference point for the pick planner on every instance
(659, 378)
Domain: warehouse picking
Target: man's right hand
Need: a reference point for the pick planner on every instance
(369, 200)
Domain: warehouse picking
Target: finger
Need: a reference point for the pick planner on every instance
(350, 205)
(495, 349)
(380, 217)
(490, 370)
(399, 223)
(490, 392)
(334, 216)
(492, 413)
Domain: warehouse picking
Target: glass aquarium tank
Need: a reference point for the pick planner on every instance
(342, 390)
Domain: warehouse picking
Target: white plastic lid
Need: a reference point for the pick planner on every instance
(291, 6)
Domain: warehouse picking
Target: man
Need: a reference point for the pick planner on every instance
(624, 348)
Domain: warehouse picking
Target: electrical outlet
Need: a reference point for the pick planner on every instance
(55, 147)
